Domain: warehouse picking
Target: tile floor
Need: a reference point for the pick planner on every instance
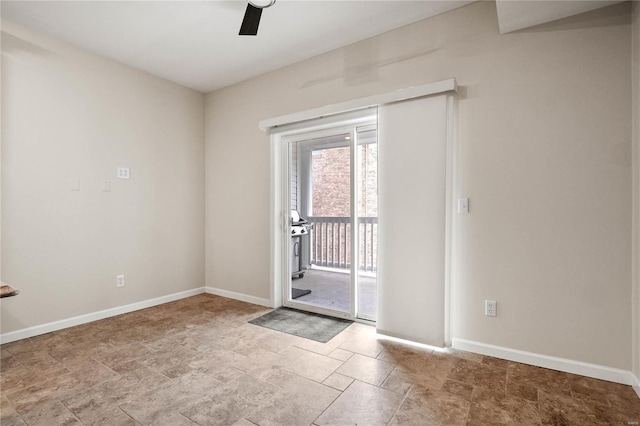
(198, 362)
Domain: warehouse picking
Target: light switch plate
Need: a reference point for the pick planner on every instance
(463, 205)
(75, 184)
(106, 185)
(123, 173)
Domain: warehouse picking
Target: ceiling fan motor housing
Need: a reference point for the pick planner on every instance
(262, 4)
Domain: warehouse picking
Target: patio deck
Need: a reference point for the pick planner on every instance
(332, 290)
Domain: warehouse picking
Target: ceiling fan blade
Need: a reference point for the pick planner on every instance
(251, 20)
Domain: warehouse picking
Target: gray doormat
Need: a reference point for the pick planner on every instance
(303, 324)
(296, 292)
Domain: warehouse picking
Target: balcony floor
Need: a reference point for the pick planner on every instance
(332, 290)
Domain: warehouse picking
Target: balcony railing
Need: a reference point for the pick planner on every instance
(330, 242)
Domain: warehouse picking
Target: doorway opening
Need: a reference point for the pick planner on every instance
(332, 178)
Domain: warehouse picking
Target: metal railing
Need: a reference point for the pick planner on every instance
(330, 242)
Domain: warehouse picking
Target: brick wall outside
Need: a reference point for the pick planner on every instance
(331, 198)
(330, 183)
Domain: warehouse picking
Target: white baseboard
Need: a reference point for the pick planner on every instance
(560, 364)
(239, 296)
(636, 384)
(94, 316)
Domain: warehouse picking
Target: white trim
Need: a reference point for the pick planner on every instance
(451, 174)
(428, 89)
(353, 220)
(317, 127)
(95, 316)
(275, 223)
(635, 383)
(554, 363)
(238, 296)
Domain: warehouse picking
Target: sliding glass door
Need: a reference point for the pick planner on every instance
(332, 188)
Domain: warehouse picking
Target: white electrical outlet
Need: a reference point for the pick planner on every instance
(490, 308)
(119, 280)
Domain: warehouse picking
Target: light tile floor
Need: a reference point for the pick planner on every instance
(198, 362)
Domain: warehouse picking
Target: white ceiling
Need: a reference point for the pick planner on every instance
(196, 43)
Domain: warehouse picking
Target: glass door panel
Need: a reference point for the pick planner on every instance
(333, 224)
(320, 184)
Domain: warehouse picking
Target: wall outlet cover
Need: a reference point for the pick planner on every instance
(490, 308)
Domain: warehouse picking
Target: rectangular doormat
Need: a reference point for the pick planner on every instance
(311, 326)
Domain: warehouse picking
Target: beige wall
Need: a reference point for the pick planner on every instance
(544, 155)
(636, 187)
(67, 114)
